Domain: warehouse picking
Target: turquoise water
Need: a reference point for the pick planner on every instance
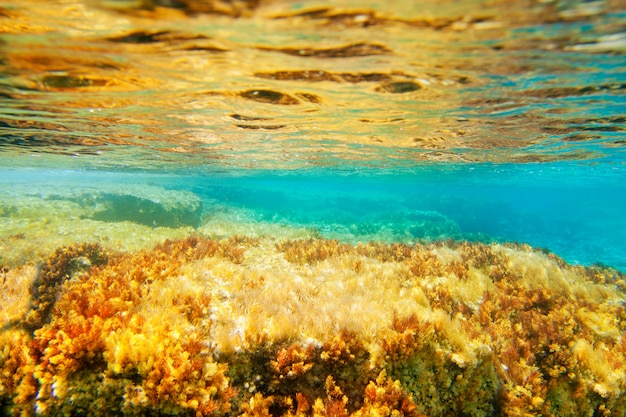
(479, 121)
(572, 209)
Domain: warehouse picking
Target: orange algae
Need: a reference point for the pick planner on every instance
(254, 327)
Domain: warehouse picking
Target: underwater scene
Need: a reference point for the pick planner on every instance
(311, 208)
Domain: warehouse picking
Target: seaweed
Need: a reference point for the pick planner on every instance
(58, 268)
(249, 326)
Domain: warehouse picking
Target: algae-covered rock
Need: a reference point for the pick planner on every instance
(162, 208)
(35, 219)
(144, 204)
(310, 327)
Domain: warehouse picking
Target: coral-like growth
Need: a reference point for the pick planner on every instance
(342, 349)
(112, 321)
(245, 326)
(408, 336)
(385, 397)
(64, 263)
(312, 250)
(335, 401)
(293, 362)
(258, 406)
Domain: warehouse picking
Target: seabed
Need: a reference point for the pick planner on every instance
(255, 326)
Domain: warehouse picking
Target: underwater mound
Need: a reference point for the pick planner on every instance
(310, 327)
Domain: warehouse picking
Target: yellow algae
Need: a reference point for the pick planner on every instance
(14, 293)
(605, 324)
(602, 377)
(307, 327)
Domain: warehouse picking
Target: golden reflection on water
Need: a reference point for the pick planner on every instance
(295, 84)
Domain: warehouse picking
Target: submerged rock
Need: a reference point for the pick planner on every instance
(142, 204)
(37, 219)
(165, 208)
(312, 327)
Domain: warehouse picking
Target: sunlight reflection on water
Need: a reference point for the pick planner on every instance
(295, 85)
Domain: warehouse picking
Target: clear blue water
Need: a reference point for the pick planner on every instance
(553, 206)
(575, 210)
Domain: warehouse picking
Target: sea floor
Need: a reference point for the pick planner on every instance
(259, 326)
(122, 297)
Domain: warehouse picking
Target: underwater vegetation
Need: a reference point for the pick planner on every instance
(36, 220)
(248, 326)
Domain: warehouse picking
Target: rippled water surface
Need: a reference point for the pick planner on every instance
(404, 120)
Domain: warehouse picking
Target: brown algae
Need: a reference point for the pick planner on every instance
(310, 327)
